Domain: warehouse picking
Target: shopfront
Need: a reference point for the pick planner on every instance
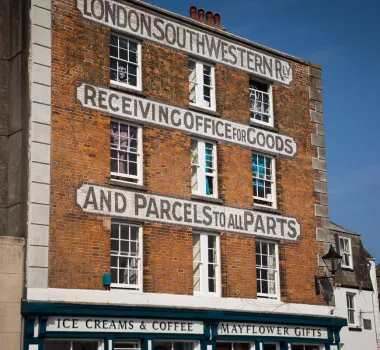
(53, 326)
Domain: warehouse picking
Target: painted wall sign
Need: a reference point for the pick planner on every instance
(141, 23)
(147, 111)
(271, 330)
(131, 205)
(95, 324)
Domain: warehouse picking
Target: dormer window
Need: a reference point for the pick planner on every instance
(346, 252)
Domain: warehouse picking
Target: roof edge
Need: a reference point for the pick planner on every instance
(335, 227)
(220, 32)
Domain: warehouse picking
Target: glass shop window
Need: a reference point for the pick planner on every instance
(126, 345)
(175, 345)
(305, 347)
(72, 345)
(233, 346)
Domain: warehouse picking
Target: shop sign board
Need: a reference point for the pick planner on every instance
(271, 330)
(123, 325)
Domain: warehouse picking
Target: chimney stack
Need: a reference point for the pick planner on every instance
(209, 17)
(193, 12)
(201, 15)
(217, 19)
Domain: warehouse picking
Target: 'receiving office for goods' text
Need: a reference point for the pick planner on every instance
(153, 112)
(161, 29)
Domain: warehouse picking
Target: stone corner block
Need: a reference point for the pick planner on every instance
(323, 235)
(320, 187)
(315, 94)
(317, 140)
(321, 210)
(316, 117)
(321, 153)
(319, 164)
(37, 277)
(315, 72)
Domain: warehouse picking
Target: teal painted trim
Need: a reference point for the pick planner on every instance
(49, 309)
(337, 335)
(272, 339)
(206, 343)
(29, 327)
(106, 347)
(33, 341)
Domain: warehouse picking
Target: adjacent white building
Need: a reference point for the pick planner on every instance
(356, 292)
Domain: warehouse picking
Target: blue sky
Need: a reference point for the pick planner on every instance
(343, 37)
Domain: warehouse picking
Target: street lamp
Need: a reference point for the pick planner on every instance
(333, 262)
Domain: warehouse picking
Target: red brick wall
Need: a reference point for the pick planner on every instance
(80, 243)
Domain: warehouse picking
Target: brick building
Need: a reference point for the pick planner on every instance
(175, 193)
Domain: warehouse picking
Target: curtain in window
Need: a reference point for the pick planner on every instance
(121, 136)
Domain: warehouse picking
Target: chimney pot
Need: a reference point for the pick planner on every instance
(193, 12)
(217, 19)
(209, 17)
(201, 15)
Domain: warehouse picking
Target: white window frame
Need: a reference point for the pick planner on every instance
(203, 239)
(126, 177)
(352, 309)
(139, 65)
(139, 285)
(201, 167)
(277, 272)
(199, 82)
(270, 98)
(343, 242)
(126, 341)
(272, 203)
(100, 341)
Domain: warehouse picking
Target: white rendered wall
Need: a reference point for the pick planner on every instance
(375, 301)
(354, 340)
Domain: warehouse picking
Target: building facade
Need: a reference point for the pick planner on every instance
(175, 189)
(356, 293)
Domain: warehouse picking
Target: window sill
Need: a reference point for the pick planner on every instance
(355, 329)
(203, 110)
(269, 299)
(267, 209)
(263, 126)
(346, 268)
(127, 185)
(120, 287)
(126, 89)
(207, 199)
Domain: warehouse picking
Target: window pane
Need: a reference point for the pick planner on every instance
(211, 286)
(114, 246)
(123, 54)
(58, 345)
(85, 345)
(126, 345)
(133, 57)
